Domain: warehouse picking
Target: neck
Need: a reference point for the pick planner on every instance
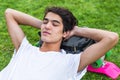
(50, 47)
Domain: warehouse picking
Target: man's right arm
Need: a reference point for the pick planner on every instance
(14, 19)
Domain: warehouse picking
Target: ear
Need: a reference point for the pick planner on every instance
(65, 34)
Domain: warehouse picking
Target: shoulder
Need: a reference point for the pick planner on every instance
(25, 45)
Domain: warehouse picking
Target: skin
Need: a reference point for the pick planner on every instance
(52, 34)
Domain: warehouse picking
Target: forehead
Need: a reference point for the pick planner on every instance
(53, 16)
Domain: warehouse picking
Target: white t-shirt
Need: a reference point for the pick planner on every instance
(29, 63)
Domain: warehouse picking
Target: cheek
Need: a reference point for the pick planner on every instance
(56, 38)
(42, 26)
(58, 35)
(58, 32)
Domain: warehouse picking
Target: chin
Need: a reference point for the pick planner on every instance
(45, 40)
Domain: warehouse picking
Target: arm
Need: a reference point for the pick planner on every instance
(14, 19)
(105, 41)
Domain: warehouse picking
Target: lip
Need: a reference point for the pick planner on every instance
(46, 33)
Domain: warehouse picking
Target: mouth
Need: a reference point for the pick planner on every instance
(46, 33)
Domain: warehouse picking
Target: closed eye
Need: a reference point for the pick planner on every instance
(45, 21)
(54, 22)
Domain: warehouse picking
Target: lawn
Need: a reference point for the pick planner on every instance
(101, 14)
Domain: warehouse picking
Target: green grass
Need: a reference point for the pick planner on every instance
(102, 14)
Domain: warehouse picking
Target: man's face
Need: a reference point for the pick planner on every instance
(52, 28)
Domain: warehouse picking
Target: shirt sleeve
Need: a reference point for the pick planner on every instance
(74, 63)
(25, 43)
(6, 73)
(73, 67)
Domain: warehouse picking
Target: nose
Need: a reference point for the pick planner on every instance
(48, 25)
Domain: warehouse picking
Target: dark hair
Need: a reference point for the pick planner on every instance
(68, 19)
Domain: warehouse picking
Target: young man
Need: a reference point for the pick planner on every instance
(49, 62)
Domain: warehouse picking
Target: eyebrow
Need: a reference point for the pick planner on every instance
(52, 20)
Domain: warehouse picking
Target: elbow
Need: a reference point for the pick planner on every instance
(8, 11)
(114, 38)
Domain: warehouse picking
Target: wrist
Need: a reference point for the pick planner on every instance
(77, 30)
(80, 31)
